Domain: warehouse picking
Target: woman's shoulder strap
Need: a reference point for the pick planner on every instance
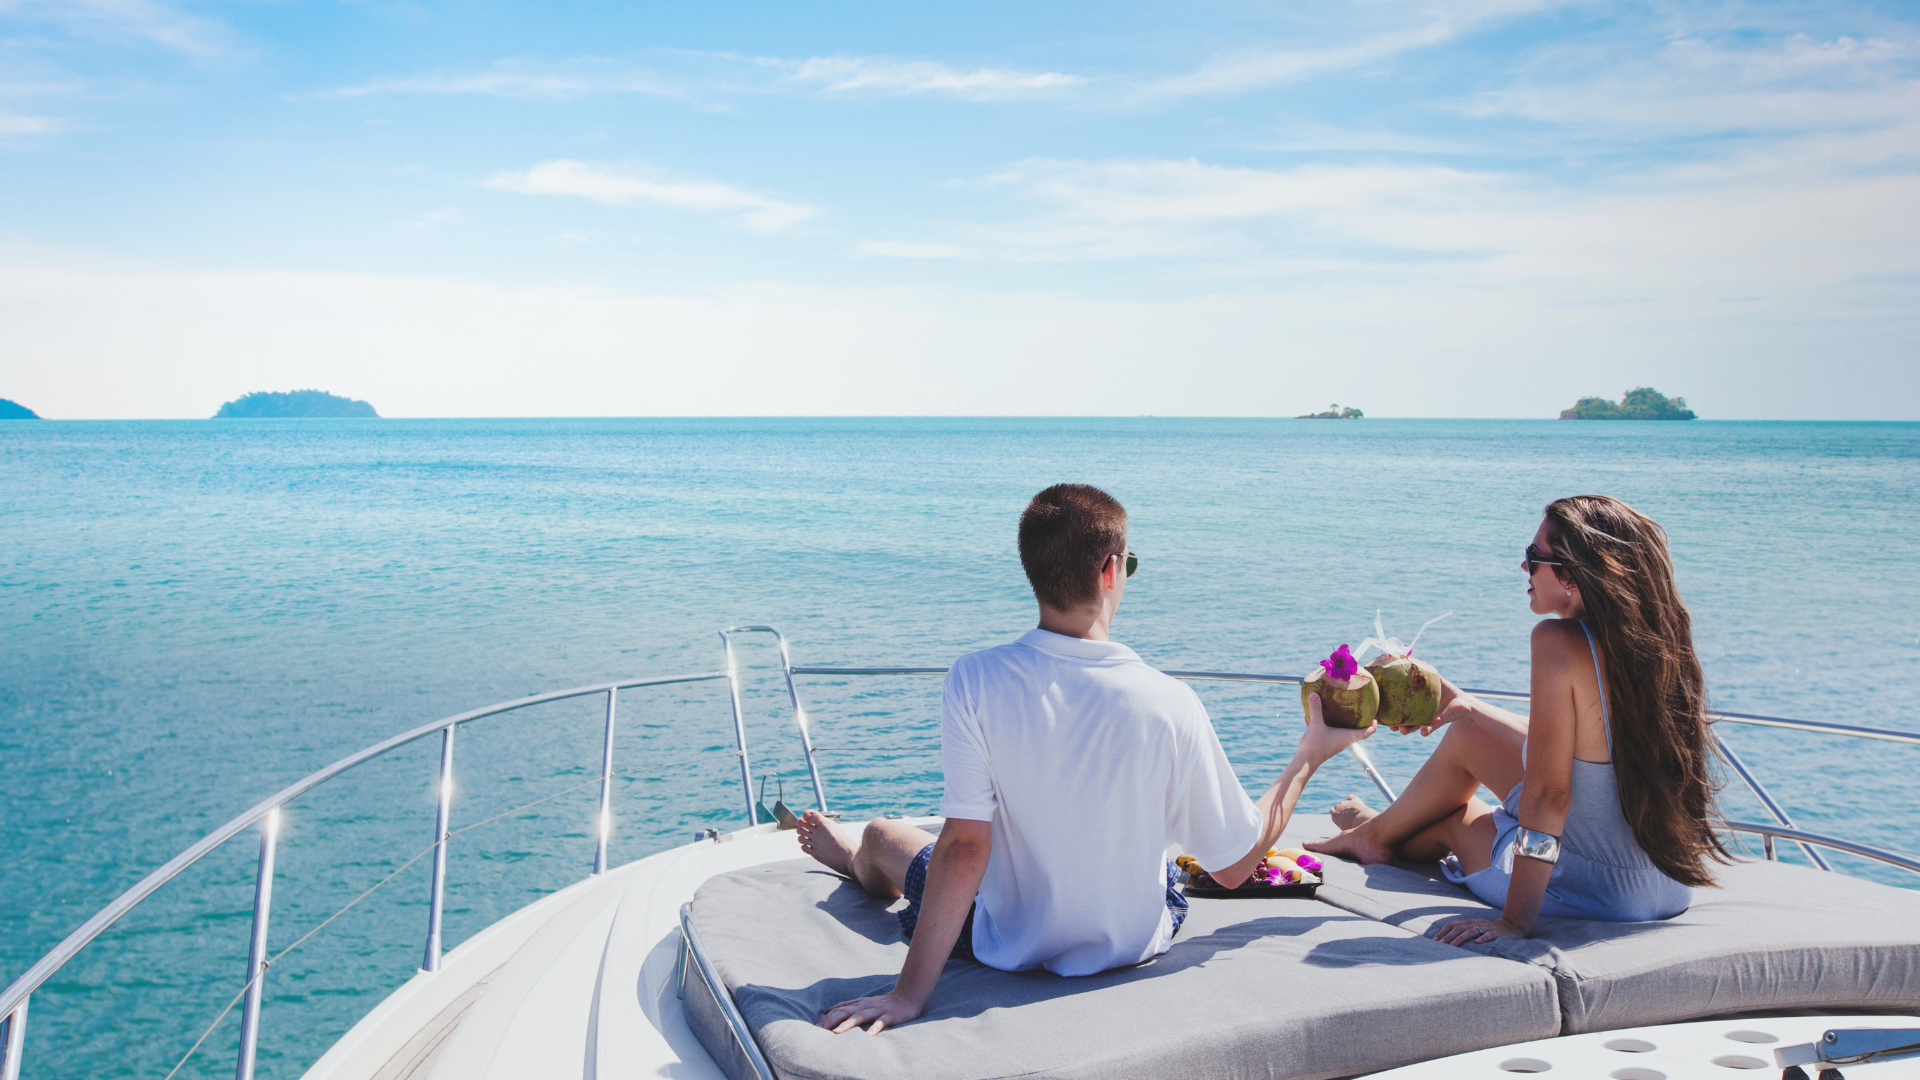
(1606, 721)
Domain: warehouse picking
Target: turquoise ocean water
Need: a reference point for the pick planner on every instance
(196, 613)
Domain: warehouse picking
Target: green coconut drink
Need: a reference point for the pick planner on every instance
(1349, 695)
(1409, 690)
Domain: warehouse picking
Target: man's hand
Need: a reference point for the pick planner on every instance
(1477, 930)
(881, 1010)
(1321, 743)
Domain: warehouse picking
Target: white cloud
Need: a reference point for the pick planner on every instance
(140, 20)
(428, 219)
(1800, 231)
(879, 75)
(895, 249)
(29, 125)
(1125, 192)
(720, 75)
(1250, 69)
(515, 80)
(601, 185)
(1692, 85)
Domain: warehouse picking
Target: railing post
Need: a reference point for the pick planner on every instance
(1760, 792)
(606, 791)
(800, 721)
(1766, 842)
(1366, 762)
(15, 1027)
(257, 949)
(431, 961)
(739, 728)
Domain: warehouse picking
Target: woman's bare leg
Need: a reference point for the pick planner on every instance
(1466, 834)
(1351, 812)
(1443, 788)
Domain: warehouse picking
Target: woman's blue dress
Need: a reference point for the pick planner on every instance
(1602, 872)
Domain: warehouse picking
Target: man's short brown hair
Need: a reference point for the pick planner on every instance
(1066, 535)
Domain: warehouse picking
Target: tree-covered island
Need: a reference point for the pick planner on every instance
(1640, 403)
(13, 410)
(297, 404)
(1334, 412)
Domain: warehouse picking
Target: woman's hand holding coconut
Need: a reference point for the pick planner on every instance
(1454, 704)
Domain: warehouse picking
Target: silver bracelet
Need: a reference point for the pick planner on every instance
(1544, 847)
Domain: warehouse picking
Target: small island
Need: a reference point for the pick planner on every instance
(13, 410)
(1334, 412)
(1640, 403)
(295, 405)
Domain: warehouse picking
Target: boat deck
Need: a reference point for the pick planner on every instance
(580, 983)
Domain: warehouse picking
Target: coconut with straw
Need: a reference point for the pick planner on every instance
(1409, 688)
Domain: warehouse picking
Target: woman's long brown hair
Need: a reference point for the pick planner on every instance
(1655, 690)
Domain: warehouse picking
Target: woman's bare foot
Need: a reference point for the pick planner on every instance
(828, 842)
(1351, 813)
(1353, 845)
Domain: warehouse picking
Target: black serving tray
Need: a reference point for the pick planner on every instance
(1301, 890)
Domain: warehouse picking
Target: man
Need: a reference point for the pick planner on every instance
(1070, 767)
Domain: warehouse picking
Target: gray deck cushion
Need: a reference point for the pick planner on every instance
(1411, 896)
(1772, 937)
(1251, 988)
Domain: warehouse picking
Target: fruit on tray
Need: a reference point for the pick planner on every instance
(1275, 869)
(1304, 859)
(1349, 695)
(1409, 690)
(1196, 877)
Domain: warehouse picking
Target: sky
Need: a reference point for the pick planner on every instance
(483, 208)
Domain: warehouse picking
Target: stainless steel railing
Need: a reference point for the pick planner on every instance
(1783, 826)
(15, 999)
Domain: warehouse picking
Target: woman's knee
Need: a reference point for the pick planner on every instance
(1477, 747)
(1465, 736)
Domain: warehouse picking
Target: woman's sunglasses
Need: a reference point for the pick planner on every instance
(1133, 561)
(1532, 559)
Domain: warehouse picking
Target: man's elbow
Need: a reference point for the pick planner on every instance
(1230, 879)
(1233, 876)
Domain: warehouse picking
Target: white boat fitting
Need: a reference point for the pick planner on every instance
(596, 979)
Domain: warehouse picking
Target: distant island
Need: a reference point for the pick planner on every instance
(13, 410)
(297, 404)
(1640, 403)
(1334, 412)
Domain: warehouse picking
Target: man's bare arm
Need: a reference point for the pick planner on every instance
(1319, 744)
(953, 878)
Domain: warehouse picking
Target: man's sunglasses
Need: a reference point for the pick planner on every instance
(1133, 561)
(1531, 559)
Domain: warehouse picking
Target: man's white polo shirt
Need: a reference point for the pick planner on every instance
(1089, 764)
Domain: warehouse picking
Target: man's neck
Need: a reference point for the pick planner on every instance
(1088, 623)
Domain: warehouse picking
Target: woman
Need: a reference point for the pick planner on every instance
(1609, 806)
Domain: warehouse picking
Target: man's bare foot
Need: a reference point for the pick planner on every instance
(828, 842)
(1353, 845)
(1351, 813)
